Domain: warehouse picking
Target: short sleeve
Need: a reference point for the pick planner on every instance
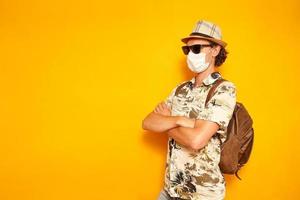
(169, 99)
(221, 106)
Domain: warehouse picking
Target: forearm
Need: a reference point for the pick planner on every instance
(185, 136)
(159, 123)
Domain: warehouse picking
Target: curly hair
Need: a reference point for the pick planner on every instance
(221, 57)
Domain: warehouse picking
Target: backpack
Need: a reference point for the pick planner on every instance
(236, 149)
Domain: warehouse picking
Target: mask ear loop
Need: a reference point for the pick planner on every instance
(212, 47)
(209, 52)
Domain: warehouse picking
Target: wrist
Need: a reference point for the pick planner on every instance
(178, 120)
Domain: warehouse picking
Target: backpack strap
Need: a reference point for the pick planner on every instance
(236, 172)
(210, 95)
(212, 90)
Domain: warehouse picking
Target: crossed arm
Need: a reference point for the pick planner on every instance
(191, 133)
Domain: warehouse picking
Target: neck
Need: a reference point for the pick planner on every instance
(202, 75)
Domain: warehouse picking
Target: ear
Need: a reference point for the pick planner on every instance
(216, 50)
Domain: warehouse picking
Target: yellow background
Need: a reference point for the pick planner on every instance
(78, 77)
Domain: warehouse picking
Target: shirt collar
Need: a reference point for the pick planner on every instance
(210, 79)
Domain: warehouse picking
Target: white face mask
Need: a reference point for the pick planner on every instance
(196, 62)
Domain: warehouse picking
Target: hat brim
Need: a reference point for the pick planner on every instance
(220, 42)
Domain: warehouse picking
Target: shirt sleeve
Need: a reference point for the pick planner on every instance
(221, 106)
(169, 99)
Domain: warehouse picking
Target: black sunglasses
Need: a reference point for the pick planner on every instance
(196, 48)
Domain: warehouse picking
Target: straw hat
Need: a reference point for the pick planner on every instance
(206, 30)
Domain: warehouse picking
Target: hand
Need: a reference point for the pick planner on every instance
(186, 122)
(162, 109)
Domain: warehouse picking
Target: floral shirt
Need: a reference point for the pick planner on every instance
(196, 175)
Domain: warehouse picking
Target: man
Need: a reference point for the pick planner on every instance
(192, 170)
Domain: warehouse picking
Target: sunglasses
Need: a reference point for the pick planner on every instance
(196, 48)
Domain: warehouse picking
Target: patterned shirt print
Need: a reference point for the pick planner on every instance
(196, 175)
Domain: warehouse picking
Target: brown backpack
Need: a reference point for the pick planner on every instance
(236, 149)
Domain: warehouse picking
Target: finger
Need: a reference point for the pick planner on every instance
(166, 106)
(161, 107)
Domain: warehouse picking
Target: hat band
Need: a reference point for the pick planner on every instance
(200, 34)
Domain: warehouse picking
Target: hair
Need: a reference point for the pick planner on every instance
(221, 57)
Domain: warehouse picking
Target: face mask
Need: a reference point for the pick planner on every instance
(196, 62)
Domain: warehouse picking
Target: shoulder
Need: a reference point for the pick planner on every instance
(226, 89)
(181, 84)
(178, 86)
(226, 86)
(228, 83)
